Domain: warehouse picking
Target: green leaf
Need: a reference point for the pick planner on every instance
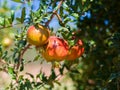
(12, 15)
(37, 58)
(12, 72)
(66, 20)
(81, 6)
(4, 54)
(10, 20)
(57, 82)
(18, 19)
(23, 15)
(1, 51)
(30, 75)
(1, 21)
(85, 7)
(53, 75)
(18, 1)
(61, 70)
(22, 66)
(75, 15)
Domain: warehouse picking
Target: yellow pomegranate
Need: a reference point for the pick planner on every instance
(37, 35)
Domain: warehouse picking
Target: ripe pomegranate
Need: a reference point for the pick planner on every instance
(75, 51)
(56, 49)
(37, 35)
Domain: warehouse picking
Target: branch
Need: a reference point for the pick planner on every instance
(54, 13)
(59, 18)
(21, 55)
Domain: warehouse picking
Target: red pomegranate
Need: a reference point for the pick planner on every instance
(75, 51)
(56, 49)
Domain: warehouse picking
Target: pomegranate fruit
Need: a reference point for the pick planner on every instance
(56, 49)
(37, 35)
(75, 51)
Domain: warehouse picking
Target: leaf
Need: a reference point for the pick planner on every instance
(22, 66)
(30, 75)
(1, 21)
(12, 72)
(23, 15)
(42, 77)
(10, 20)
(75, 15)
(37, 58)
(12, 15)
(1, 51)
(81, 6)
(57, 82)
(61, 70)
(53, 75)
(18, 19)
(66, 20)
(86, 5)
(4, 54)
(18, 1)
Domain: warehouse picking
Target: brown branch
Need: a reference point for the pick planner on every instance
(59, 18)
(54, 13)
(21, 55)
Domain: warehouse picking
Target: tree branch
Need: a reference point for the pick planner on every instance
(54, 13)
(21, 55)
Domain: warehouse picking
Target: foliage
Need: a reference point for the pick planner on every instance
(96, 22)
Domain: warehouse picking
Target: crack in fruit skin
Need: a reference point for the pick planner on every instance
(56, 50)
(37, 35)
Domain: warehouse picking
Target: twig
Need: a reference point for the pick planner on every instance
(21, 55)
(58, 16)
(54, 13)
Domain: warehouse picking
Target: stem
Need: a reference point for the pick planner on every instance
(58, 16)
(54, 13)
(21, 55)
